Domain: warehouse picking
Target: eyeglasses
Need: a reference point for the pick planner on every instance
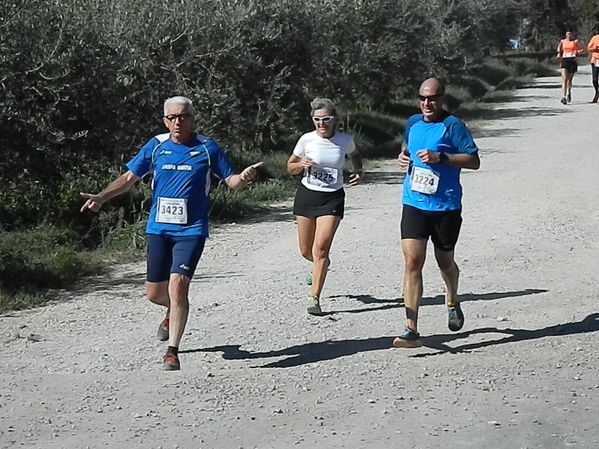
(430, 97)
(325, 119)
(173, 117)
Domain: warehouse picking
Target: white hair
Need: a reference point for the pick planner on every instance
(323, 103)
(178, 100)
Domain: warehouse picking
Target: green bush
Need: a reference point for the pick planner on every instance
(229, 204)
(402, 108)
(539, 56)
(476, 87)
(83, 84)
(455, 95)
(493, 72)
(528, 66)
(20, 300)
(376, 134)
(376, 126)
(41, 258)
(125, 238)
(498, 96)
(84, 81)
(515, 82)
(475, 110)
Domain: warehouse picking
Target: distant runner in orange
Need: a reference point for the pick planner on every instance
(568, 50)
(593, 48)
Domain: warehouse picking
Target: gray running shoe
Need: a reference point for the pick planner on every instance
(455, 317)
(314, 306)
(409, 338)
(170, 362)
(309, 278)
(163, 329)
(564, 101)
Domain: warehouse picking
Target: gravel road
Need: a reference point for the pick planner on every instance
(258, 372)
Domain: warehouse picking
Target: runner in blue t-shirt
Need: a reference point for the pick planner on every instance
(181, 163)
(436, 147)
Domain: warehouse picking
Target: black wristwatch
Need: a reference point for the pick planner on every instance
(442, 158)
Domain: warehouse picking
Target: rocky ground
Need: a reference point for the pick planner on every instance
(258, 372)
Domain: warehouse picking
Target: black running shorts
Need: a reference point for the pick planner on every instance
(442, 227)
(570, 65)
(313, 203)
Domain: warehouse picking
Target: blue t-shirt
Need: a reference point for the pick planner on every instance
(450, 136)
(181, 183)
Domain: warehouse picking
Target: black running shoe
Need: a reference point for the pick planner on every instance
(455, 317)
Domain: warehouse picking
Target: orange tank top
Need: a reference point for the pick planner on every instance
(569, 49)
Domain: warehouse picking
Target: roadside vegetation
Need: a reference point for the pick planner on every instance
(83, 83)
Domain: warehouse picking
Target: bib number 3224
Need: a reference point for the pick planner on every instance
(424, 181)
(172, 210)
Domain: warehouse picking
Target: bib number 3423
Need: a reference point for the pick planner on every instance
(172, 210)
(424, 180)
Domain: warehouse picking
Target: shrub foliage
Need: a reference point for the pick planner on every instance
(82, 83)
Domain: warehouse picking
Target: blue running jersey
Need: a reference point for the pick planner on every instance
(181, 183)
(450, 136)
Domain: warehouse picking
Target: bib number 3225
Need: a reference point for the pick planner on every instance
(323, 175)
(172, 210)
(424, 180)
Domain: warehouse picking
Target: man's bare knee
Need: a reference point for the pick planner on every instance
(178, 288)
(157, 292)
(413, 263)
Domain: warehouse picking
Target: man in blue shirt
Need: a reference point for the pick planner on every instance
(181, 163)
(436, 147)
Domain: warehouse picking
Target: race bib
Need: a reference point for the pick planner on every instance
(424, 180)
(570, 54)
(172, 210)
(322, 175)
(596, 63)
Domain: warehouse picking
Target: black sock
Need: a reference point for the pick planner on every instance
(172, 350)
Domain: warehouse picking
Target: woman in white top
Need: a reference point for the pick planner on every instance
(320, 198)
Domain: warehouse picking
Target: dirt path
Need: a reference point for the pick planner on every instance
(259, 373)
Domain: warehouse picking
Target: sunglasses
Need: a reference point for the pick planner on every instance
(430, 97)
(173, 117)
(325, 119)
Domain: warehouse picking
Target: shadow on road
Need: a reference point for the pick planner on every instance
(305, 353)
(426, 301)
(329, 350)
(438, 342)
